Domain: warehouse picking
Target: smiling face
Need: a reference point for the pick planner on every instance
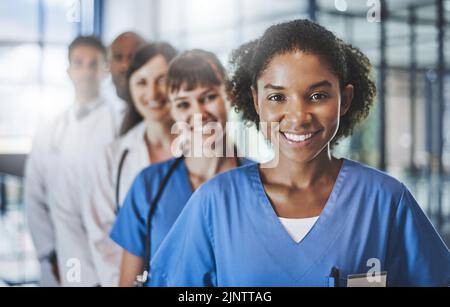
(299, 93)
(209, 102)
(147, 87)
(121, 55)
(87, 69)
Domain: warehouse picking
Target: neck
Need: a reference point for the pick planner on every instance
(123, 95)
(158, 133)
(83, 98)
(207, 168)
(306, 174)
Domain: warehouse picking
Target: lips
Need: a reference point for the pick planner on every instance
(204, 127)
(299, 139)
(155, 104)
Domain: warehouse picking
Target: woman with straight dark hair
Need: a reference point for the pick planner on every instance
(148, 142)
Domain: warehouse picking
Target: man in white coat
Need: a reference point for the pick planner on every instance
(58, 170)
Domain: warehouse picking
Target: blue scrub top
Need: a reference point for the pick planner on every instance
(229, 235)
(130, 228)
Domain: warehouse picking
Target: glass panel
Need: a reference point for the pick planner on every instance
(398, 44)
(19, 107)
(54, 65)
(206, 14)
(172, 19)
(19, 20)
(398, 135)
(270, 9)
(221, 41)
(19, 63)
(58, 27)
(18, 260)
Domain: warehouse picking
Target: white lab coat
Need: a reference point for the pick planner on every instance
(59, 171)
(118, 105)
(102, 207)
(38, 175)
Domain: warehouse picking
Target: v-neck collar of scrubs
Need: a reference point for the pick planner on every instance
(185, 175)
(315, 244)
(185, 171)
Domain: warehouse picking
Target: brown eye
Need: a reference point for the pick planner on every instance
(318, 97)
(276, 98)
(183, 105)
(208, 98)
(141, 82)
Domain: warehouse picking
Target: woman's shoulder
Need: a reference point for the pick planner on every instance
(135, 135)
(236, 180)
(126, 143)
(155, 170)
(374, 179)
(149, 178)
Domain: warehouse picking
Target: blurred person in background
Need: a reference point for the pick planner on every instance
(120, 55)
(148, 142)
(58, 169)
(196, 92)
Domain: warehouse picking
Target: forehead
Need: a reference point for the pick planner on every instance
(153, 67)
(85, 52)
(197, 91)
(296, 68)
(125, 43)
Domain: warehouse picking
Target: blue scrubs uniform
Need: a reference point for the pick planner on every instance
(229, 235)
(130, 228)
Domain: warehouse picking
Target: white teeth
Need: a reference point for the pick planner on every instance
(297, 137)
(154, 104)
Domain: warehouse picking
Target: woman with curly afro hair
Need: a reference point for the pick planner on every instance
(306, 218)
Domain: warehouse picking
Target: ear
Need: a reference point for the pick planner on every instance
(69, 72)
(255, 99)
(347, 98)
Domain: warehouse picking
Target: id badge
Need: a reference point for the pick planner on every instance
(378, 280)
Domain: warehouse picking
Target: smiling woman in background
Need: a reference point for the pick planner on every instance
(149, 142)
(195, 88)
(293, 223)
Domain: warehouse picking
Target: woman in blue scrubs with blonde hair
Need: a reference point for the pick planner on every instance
(310, 219)
(195, 87)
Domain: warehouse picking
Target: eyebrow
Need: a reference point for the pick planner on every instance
(200, 95)
(325, 83)
(274, 87)
(181, 98)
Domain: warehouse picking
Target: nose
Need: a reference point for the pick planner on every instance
(88, 72)
(298, 113)
(152, 92)
(125, 64)
(199, 109)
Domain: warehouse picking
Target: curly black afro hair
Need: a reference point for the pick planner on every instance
(349, 64)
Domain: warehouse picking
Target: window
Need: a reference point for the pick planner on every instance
(34, 87)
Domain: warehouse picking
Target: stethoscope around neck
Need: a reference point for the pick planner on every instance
(143, 278)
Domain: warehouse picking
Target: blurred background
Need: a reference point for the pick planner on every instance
(407, 134)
